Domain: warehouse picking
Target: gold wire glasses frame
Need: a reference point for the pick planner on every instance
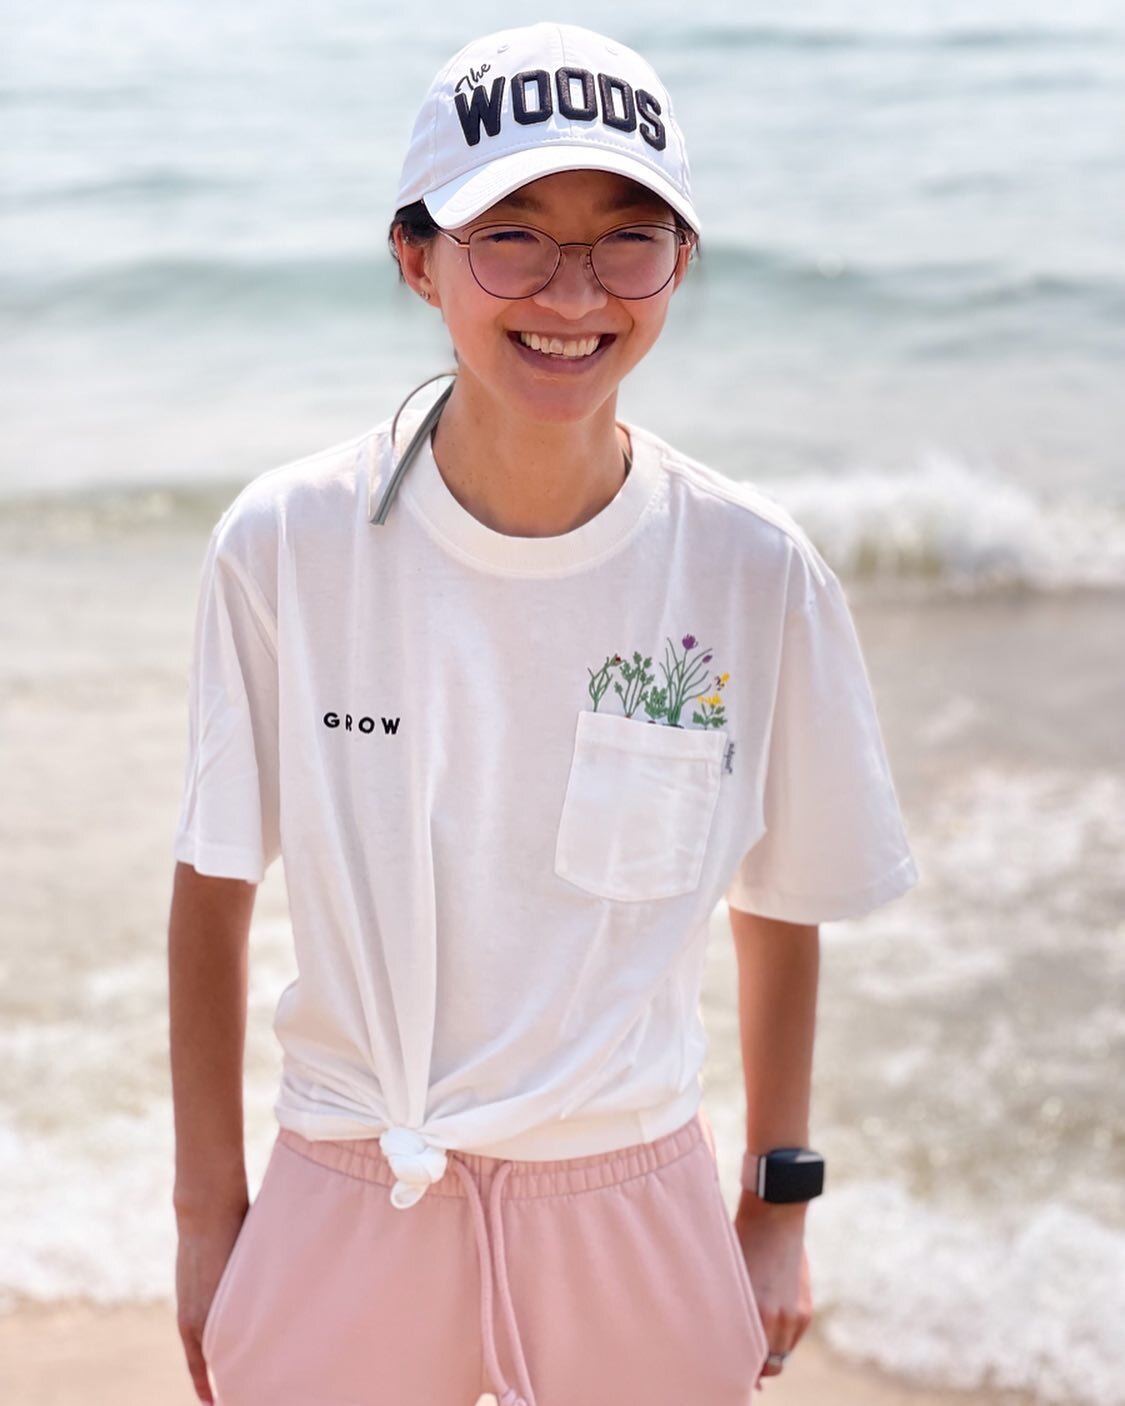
(681, 239)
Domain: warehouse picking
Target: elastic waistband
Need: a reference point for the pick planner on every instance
(364, 1158)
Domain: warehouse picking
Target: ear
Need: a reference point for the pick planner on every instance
(414, 259)
(682, 258)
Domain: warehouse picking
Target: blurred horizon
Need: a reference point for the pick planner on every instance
(912, 241)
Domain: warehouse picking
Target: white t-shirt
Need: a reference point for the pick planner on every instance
(511, 778)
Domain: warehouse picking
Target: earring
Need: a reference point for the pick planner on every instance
(426, 296)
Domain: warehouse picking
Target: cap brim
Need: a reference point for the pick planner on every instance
(461, 200)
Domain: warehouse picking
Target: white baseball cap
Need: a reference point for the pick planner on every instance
(523, 103)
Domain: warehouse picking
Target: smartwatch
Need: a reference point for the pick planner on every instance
(783, 1174)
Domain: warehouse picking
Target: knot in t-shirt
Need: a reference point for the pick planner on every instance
(416, 1163)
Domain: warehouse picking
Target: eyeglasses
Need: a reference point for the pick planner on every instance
(517, 261)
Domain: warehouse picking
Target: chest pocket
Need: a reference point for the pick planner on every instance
(639, 803)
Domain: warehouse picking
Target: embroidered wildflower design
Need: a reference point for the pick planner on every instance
(684, 680)
(710, 713)
(656, 704)
(599, 681)
(636, 682)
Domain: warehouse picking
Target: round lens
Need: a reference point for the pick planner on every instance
(510, 261)
(637, 261)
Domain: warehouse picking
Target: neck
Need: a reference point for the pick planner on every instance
(528, 478)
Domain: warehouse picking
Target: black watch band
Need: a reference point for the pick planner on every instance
(783, 1174)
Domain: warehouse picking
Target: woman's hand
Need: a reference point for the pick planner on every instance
(204, 1248)
(772, 1236)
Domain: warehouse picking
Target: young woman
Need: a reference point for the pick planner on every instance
(519, 692)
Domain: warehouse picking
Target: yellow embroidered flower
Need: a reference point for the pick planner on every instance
(723, 678)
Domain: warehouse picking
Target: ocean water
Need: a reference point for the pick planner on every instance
(908, 325)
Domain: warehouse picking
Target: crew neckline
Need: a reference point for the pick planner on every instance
(431, 500)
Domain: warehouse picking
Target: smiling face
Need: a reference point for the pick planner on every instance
(570, 205)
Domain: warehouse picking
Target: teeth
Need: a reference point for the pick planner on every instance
(555, 346)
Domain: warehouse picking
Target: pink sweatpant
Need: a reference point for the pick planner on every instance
(606, 1280)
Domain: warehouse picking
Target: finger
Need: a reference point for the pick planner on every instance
(777, 1326)
(197, 1366)
(801, 1323)
(782, 1336)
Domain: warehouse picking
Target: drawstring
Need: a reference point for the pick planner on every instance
(509, 1396)
(417, 1164)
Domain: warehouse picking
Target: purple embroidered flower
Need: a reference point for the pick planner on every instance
(706, 659)
(688, 641)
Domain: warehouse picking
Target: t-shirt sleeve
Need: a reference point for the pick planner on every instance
(229, 825)
(835, 845)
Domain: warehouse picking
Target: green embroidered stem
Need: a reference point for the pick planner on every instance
(636, 682)
(599, 682)
(683, 676)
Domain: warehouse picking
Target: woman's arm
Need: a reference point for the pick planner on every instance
(208, 946)
(778, 971)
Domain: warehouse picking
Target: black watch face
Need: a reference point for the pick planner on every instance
(794, 1174)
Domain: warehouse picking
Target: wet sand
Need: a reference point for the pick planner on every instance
(133, 1357)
